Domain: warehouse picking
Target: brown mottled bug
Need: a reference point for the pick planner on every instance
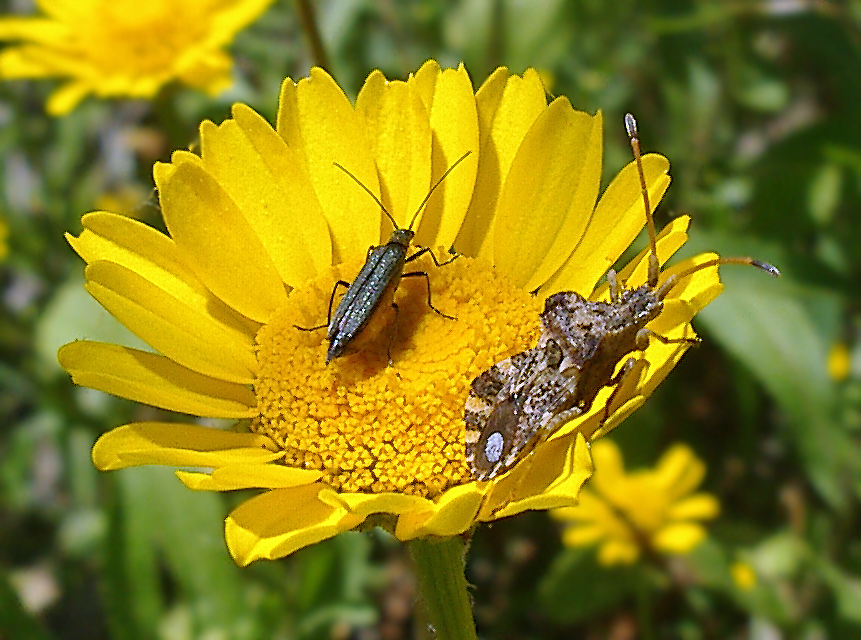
(520, 402)
(378, 278)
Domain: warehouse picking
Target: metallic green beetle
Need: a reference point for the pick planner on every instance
(380, 275)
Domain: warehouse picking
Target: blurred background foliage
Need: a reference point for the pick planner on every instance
(756, 103)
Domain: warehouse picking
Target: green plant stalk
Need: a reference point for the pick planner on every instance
(439, 566)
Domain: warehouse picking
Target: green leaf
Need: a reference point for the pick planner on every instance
(776, 328)
(577, 588)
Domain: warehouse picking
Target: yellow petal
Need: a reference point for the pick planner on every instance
(679, 538)
(180, 445)
(188, 336)
(155, 257)
(398, 130)
(579, 213)
(537, 192)
(544, 489)
(679, 471)
(223, 250)
(615, 552)
(319, 124)
(248, 476)
(277, 523)
(67, 97)
(269, 185)
(582, 535)
(609, 465)
(365, 504)
(700, 506)
(618, 218)
(32, 30)
(507, 108)
(454, 122)
(155, 380)
(455, 513)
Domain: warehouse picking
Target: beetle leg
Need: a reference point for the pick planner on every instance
(412, 274)
(346, 285)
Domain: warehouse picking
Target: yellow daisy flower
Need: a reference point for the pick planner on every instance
(123, 48)
(4, 236)
(262, 224)
(651, 510)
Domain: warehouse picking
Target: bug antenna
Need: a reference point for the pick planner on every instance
(673, 280)
(633, 136)
(369, 192)
(433, 188)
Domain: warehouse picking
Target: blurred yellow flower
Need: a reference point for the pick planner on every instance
(839, 362)
(651, 510)
(743, 575)
(4, 235)
(261, 226)
(124, 48)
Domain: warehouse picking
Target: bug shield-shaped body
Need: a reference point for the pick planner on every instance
(595, 336)
(507, 406)
(520, 402)
(377, 281)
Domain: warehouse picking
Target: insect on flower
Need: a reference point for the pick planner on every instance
(520, 402)
(378, 278)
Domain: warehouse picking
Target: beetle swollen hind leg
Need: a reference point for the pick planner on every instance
(344, 284)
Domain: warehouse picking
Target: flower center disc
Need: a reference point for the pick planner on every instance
(370, 427)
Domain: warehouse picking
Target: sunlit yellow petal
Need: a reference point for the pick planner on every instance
(182, 445)
(186, 335)
(154, 380)
(320, 125)
(454, 122)
(396, 120)
(579, 214)
(537, 192)
(155, 257)
(618, 218)
(260, 174)
(223, 250)
(248, 476)
(455, 512)
(366, 504)
(277, 523)
(553, 490)
(505, 114)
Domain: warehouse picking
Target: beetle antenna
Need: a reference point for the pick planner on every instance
(433, 188)
(370, 193)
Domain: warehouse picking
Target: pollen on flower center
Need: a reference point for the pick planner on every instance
(370, 427)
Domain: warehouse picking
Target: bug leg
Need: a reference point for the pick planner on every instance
(436, 262)
(346, 285)
(394, 333)
(413, 274)
(665, 340)
(616, 381)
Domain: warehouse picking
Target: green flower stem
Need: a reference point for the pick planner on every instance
(309, 24)
(442, 587)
